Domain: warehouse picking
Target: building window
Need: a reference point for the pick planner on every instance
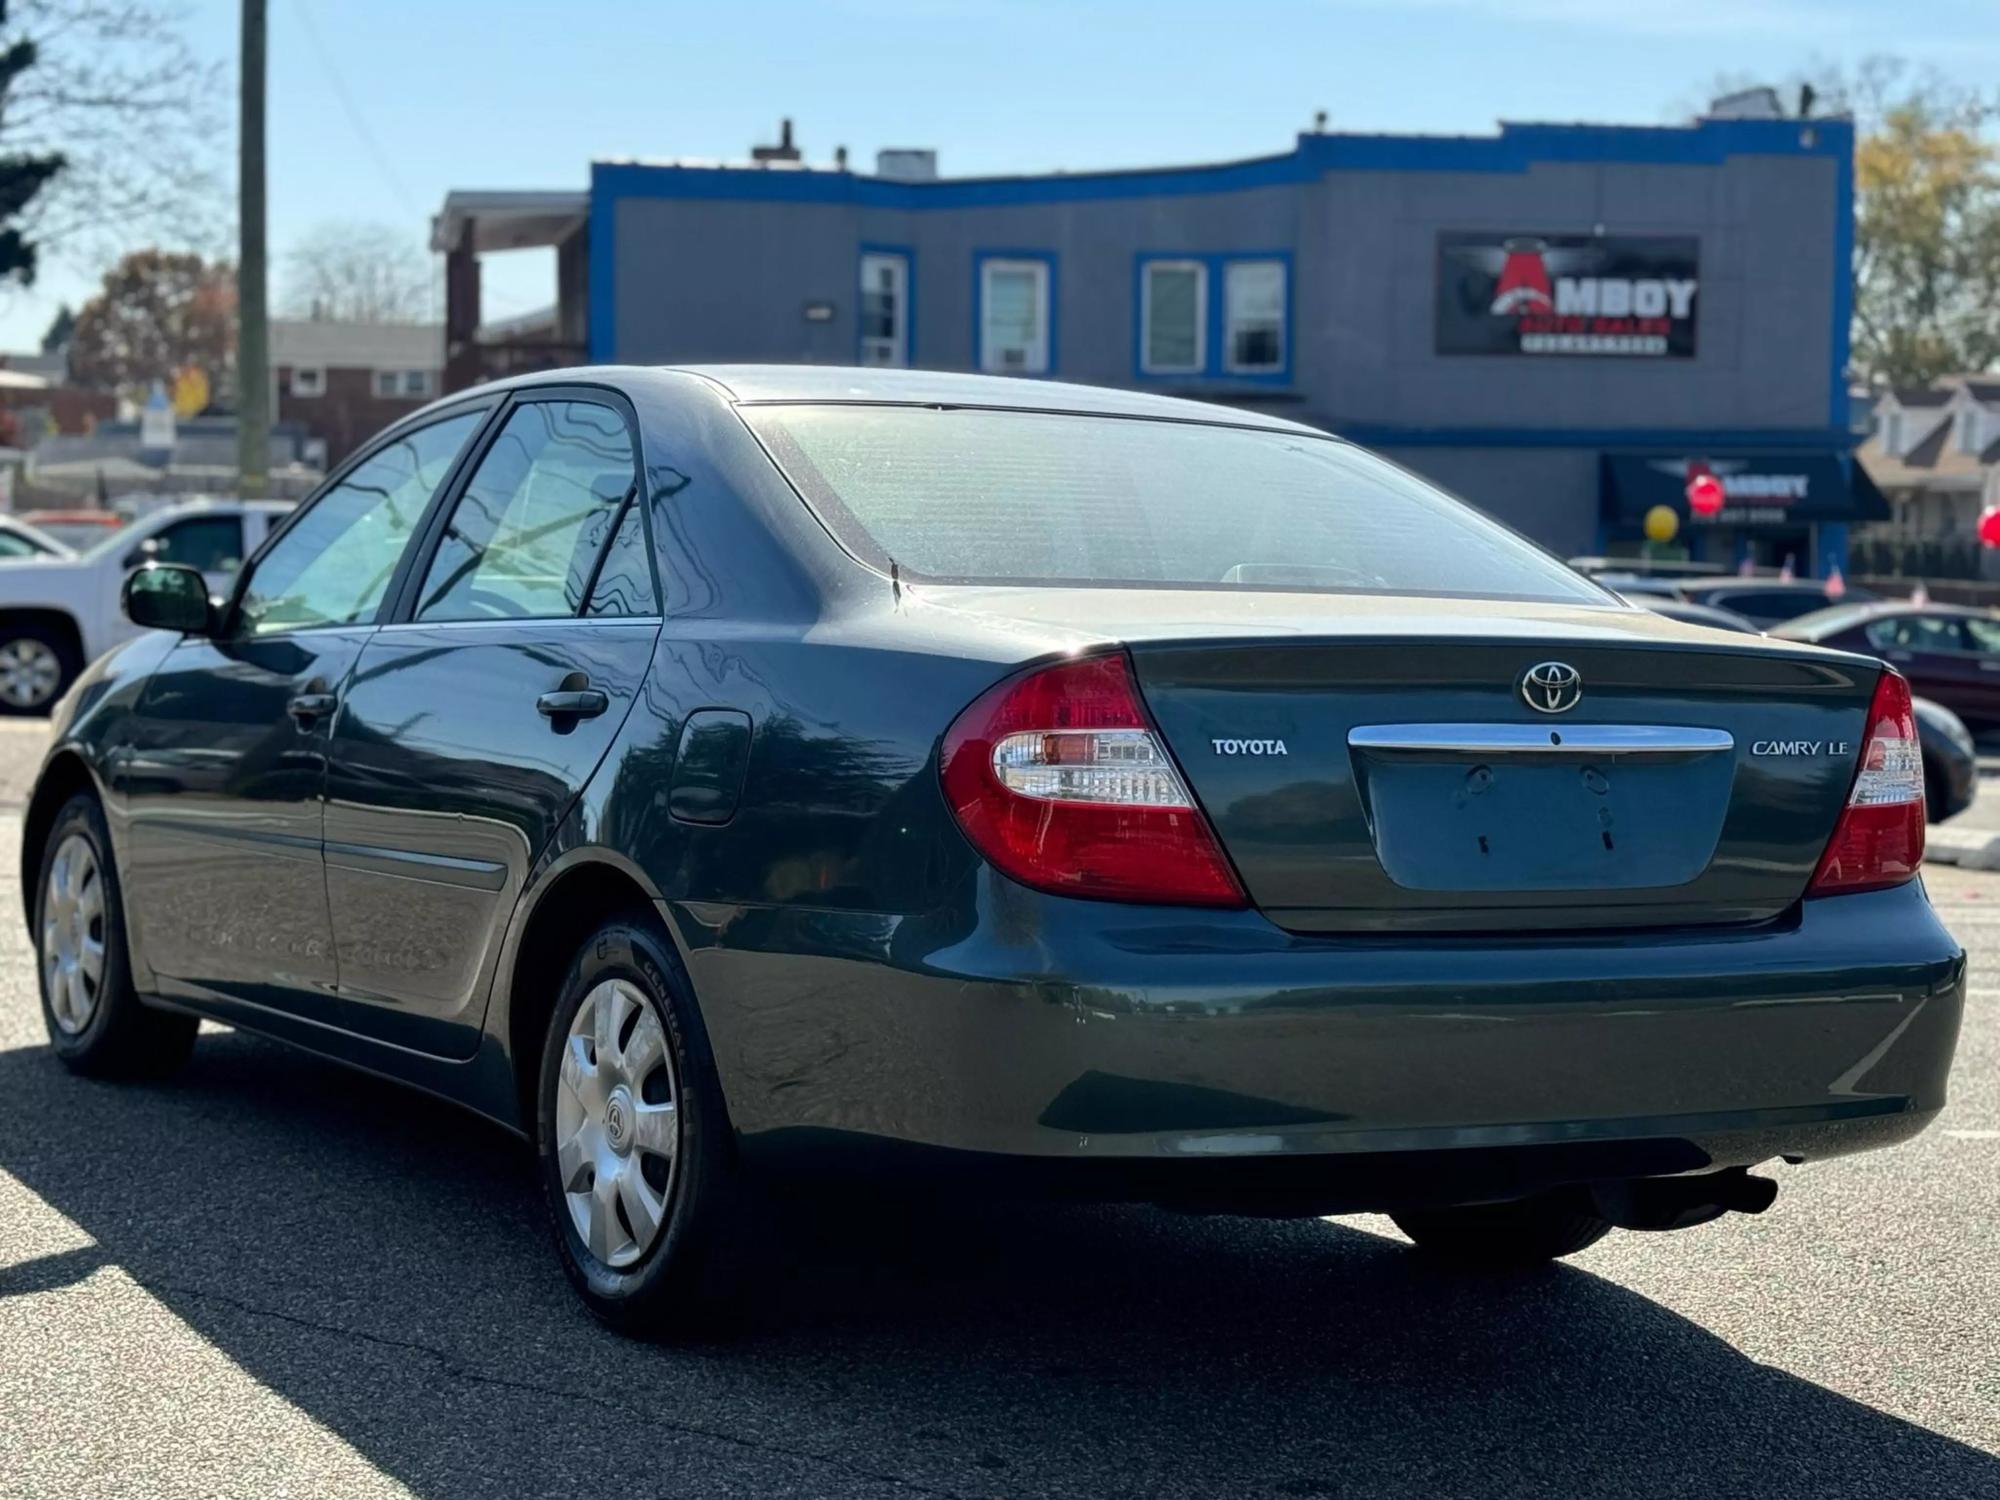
(1014, 315)
(1968, 430)
(885, 308)
(1892, 433)
(1253, 312)
(308, 380)
(1173, 317)
(395, 385)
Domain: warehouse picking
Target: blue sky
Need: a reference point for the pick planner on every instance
(525, 93)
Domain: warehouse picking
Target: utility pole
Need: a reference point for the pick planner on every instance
(253, 331)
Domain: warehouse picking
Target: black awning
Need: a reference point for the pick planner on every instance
(1759, 489)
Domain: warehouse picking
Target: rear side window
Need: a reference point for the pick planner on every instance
(624, 584)
(525, 536)
(1034, 497)
(1916, 633)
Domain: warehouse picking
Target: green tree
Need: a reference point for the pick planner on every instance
(61, 326)
(1926, 243)
(23, 174)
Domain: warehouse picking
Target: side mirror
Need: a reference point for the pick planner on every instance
(169, 596)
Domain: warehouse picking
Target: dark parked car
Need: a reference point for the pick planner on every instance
(1951, 762)
(1769, 601)
(723, 775)
(1948, 652)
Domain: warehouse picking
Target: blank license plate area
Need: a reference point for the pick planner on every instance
(1450, 822)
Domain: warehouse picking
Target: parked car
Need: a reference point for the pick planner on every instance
(1948, 652)
(56, 614)
(79, 530)
(1951, 763)
(1694, 614)
(1770, 601)
(1951, 760)
(720, 775)
(18, 539)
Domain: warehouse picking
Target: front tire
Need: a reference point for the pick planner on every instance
(96, 1022)
(37, 665)
(1506, 1236)
(632, 1142)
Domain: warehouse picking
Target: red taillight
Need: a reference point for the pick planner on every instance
(1059, 778)
(1879, 839)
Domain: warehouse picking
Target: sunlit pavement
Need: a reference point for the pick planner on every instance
(273, 1277)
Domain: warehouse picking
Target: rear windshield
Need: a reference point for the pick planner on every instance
(963, 495)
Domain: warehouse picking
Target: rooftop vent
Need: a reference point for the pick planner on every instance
(1760, 103)
(783, 151)
(907, 165)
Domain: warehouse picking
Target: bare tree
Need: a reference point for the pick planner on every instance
(358, 273)
(136, 116)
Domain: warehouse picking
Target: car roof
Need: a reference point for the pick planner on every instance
(1758, 585)
(762, 383)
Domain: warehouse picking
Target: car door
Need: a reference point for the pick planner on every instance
(221, 789)
(476, 716)
(1934, 653)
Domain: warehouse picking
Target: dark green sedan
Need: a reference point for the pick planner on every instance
(734, 778)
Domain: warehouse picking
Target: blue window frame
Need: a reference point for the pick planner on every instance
(886, 307)
(1014, 295)
(1223, 317)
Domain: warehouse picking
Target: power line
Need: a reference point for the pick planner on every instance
(354, 116)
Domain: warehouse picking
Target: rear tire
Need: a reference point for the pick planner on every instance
(649, 1209)
(37, 664)
(96, 1022)
(1506, 1236)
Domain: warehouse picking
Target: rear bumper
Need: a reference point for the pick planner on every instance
(1139, 1052)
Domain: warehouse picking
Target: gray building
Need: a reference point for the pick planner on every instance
(1566, 324)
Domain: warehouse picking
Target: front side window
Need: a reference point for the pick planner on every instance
(333, 564)
(525, 536)
(1173, 315)
(972, 495)
(885, 309)
(1014, 316)
(1254, 317)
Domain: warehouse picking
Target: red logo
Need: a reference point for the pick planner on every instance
(1524, 280)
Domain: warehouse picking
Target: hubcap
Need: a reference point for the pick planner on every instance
(617, 1122)
(29, 673)
(73, 934)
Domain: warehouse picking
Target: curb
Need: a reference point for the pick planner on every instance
(1968, 849)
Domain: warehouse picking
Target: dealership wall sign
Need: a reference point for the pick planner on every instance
(1623, 295)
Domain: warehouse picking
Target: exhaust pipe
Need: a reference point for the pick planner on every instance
(1682, 1202)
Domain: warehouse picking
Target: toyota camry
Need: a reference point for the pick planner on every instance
(737, 776)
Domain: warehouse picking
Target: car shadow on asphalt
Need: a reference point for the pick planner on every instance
(378, 1259)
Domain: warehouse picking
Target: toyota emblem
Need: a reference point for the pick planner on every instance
(1551, 687)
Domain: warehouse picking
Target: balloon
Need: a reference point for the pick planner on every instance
(1989, 527)
(1704, 492)
(1662, 522)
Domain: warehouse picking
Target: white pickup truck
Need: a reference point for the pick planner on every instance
(57, 614)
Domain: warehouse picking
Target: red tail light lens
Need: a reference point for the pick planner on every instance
(1060, 779)
(1879, 840)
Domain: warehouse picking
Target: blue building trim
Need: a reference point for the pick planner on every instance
(1840, 135)
(1214, 367)
(603, 300)
(1515, 149)
(979, 259)
(909, 257)
(1705, 440)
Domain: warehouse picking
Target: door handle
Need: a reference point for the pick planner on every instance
(571, 699)
(306, 707)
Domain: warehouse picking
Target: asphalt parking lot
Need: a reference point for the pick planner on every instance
(272, 1277)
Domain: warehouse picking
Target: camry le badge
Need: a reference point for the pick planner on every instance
(1802, 747)
(1551, 687)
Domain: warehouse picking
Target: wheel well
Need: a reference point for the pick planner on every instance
(61, 779)
(567, 912)
(62, 626)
